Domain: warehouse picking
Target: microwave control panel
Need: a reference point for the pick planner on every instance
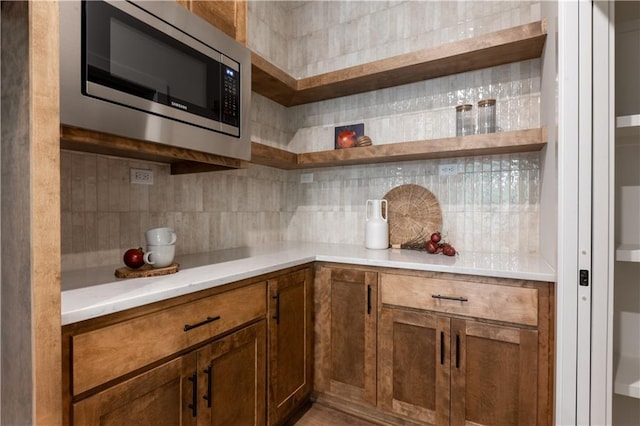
(230, 96)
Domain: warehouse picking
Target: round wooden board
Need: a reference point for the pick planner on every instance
(414, 213)
(146, 271)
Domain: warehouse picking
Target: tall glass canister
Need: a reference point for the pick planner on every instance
(464, 120)
(487, 116)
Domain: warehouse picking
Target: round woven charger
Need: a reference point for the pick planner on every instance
(414, 213)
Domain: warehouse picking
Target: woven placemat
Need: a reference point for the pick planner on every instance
(414, 213)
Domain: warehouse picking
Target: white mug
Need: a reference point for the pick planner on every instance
(160, 256)
(161, 236)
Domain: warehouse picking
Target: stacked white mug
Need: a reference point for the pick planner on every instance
(161, 247)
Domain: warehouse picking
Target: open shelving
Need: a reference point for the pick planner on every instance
(510, 45)
(485, 144)
(514, 44)
(188, 161)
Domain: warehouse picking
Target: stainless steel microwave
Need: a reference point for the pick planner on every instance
(152, 70)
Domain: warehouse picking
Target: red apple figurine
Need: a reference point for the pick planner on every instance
(134, 258)
(347, 139)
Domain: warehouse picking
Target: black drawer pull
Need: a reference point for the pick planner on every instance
(442, 347)
(188, 327)
(459, 299)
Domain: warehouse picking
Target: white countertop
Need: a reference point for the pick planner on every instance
(92, 292)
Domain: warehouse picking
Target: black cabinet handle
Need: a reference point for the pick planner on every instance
(457, 351)
(207, 397)
(459, 299)
(188, 327)
(277, 315)
(442, 347)
(194, 394)
(368, 300)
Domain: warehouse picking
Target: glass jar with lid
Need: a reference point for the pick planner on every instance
(487, 116)
(464, 120)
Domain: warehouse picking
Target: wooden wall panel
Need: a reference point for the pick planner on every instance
(30, 233)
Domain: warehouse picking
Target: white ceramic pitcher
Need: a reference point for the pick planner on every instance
(376, 231)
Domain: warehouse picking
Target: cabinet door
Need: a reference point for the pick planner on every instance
(414, 365)
(229, 16)
(494, 374)
(155, 397)
(346, 317)
(232, 374)
(290, 343)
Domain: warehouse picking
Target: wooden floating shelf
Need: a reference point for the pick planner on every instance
(501, 47)
(485, 144)
(187, 161)
(181, 160)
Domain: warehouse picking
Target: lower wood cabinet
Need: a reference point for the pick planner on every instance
(193, 360)
(437, 367)
(494, 374)
(394, 346)
(441, 371)
(222, 383)
(290, 319)
(231, 380)
(346, 328)
(151, 398)
(414, 365)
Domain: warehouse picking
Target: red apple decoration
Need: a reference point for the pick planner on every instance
(134, 258)
(347, 139)
(436, 245)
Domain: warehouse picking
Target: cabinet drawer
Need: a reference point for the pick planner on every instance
(107, 353)
(490, 301)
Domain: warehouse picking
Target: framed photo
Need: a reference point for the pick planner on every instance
(346, 136)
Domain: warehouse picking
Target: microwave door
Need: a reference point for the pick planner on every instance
(119, 83)
(133, 64)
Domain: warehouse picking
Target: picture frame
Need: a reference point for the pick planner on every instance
(346, 136)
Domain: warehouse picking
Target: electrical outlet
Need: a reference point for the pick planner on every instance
(141, 176)
(306, 177)
(448, 169)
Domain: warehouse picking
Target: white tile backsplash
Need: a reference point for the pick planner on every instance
(478, 209)
(492, 204)
(314, 37)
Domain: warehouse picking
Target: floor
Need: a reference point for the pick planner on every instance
(319, 415)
